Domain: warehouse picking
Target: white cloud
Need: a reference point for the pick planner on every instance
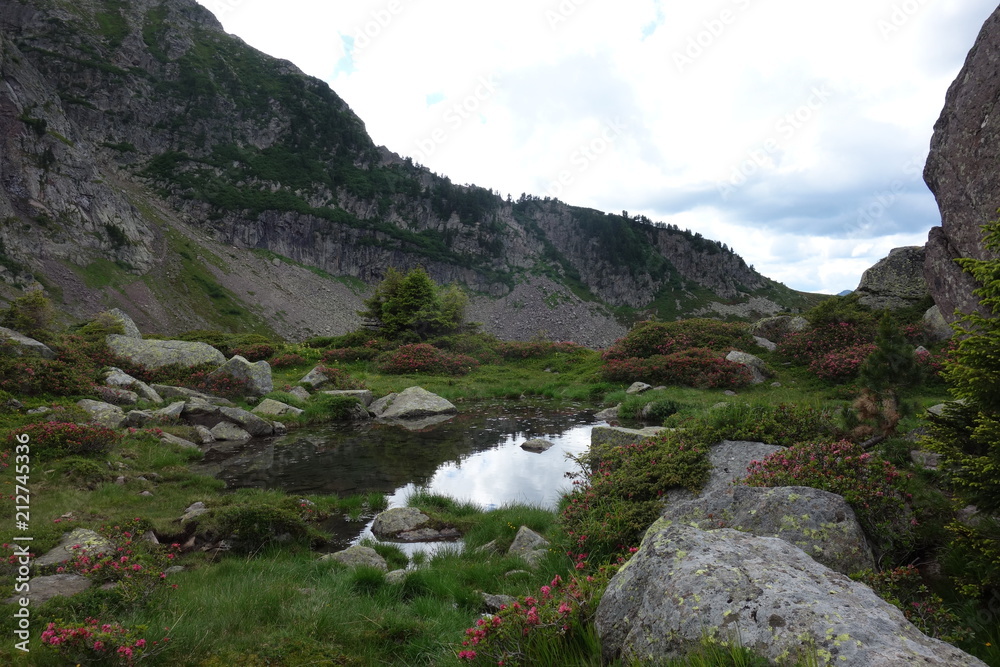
(706, 92)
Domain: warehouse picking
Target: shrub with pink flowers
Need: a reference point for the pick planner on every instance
(287, 360)
(54, 439)
(807, 346)
(647, 339)
(255, 352)
(841, 365)
(350, 354)
(696, 367)
(425, 358)
(93, 642)
(873, 487)
(537, 349)
(553, 628)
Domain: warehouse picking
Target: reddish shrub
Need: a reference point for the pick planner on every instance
(257, 352)
(697, 367)
(424, 358)
(287, 360)
(648, 339)
(807, 346)
(55, 439)
(350, 354)
(841, 365)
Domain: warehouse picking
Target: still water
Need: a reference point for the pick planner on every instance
(474, 456)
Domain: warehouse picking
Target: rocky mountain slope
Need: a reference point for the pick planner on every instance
(153, 162)
(962, 172)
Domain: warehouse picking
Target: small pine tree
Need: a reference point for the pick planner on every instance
(889, 368)
(412, 307)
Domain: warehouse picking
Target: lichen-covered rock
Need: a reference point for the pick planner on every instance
(272, 408)
(638, 388)
(128, 324)
(175, 440)
(358, 556)
(729, 460)
(315, 378)
(414, 403)
(257, 375)
(392, 522)
(529, 545)
(777, 327)
(820, 523)
(685, 582)
(936, 326)
(116, 377)
(171, 412)
(116, 395)
(758, 369)
(896, 281)
(79, 541)
(604, 437)
(229, 431)
(153, 354)
(103, 413)
(45, 588)
(536, 445)
(22, 345)
(248, 421)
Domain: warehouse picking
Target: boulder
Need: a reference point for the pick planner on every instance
(393, 522)
(103, 413)
(936, 326)
(413, 403)
(138, 418)
(193, 511)
(197, 407)
(896, 281)
(961, 171)
(153, 354)
(758, 369)
(536, 445)
(315, 378)
(204, 434)
(116, 377)
(638, 388)
(300, 393)
(116, 396)
(172, 411)
(363, 395)
(602, 437)
(229, 431)
(128, 324)
(819, 522)
(608, 414)
(180, 442)
(21, 345)
(248, 421)
(685, 583)
(358, 556)
(272, 408)
(379, 406)
(529, 545)
(729, 460)
(765, 343)
(776, 328)
(257, 376)
(43, 589)
(79, 541)
(167, 391)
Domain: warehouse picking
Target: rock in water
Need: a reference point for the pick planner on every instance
(962, 171)
(415, 402)
(767, 594)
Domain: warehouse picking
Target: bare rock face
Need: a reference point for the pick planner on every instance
(896, 281)
(962, 172)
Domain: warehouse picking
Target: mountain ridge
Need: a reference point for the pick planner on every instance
(130, 127)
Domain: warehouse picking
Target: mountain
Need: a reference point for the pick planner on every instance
(155, 163)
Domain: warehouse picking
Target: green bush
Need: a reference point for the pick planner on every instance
(783, 424)
(647, 339)
(50, 440)
(31, 315)
(254, 524)
(324, 408)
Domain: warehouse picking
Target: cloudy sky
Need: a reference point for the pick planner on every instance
(795, 132)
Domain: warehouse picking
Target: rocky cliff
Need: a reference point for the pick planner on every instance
(153, 162)
(962, 172)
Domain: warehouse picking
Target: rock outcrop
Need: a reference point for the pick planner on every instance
(763, 592)
(962, 172)
(896, 281)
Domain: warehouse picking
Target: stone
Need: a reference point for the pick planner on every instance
(729, 392)
(204, 434)
(494, 602)
(180, 442)
(765, 343)
(396, 577)
(171, 412)
(315, 378)
(116, 377)
(604, 437)
(758, 369)
(103, 413)
(167, 391)
(638, 388)
(193, 511)
(154, 354)
(138, 418)
(415, 402)
(936, 327)
(896, 281)
(684, 583)
(229, 431)
(941, 408)
(77, 541)
(529, 545)
(197, 407)
(364, 396)
(928, 460)
(961, 171)
(608, 414)
(397, 520)
(536, 445)
(249, 422)
(116, 396)
(776, 328)
(257, 375)
(300, 393)
(128, 324)
(41, 410)
(47, 587)
(272, 408)
(820, 523)
(358, 556)
(380, 405)
(729, 460)
(21, 345)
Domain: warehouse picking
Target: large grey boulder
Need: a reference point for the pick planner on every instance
(602, 437)
(128, 324)
(103, 413)
(638, 388)
(229, 431)
(777, 327)
(45, 588)
(758, 369)
(168, 391)
(529, 545)
(22, 345)
(685, 583)
(116, 395)
(896, 281)
(358, 556)
(820, 523)
(257, 375)
(79, 541)
(936, 326)
(249, 422)
(392, 522)
(272, 408)
(116, 377)
(413, 403)
(156, 353)
(729, 460)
